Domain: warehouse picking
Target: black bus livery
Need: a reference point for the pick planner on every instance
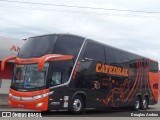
(69, 72)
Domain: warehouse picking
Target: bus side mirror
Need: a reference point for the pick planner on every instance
(6, 60)
(52, 57)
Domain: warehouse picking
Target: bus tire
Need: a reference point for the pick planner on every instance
(144, 104)
(76, 105)
(137, 102)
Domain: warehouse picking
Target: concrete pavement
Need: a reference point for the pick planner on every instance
(3, 100)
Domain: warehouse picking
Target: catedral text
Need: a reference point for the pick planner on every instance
(113, 70)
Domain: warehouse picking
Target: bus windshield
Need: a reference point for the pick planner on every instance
(28, 76)
(38, 46)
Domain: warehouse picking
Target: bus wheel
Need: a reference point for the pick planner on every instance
(144, 104)
(137, 104)
(77, 104)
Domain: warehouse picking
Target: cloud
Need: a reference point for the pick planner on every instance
(135, 32)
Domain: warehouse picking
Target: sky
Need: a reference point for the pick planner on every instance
(132, 25)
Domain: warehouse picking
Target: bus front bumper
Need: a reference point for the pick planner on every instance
(40, 104)
(29, 100)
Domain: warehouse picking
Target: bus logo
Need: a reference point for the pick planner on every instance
(96, 85)
(112, 70)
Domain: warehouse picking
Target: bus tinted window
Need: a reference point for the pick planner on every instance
(95, 51)
(69, 46)
(56, 78)
(38, 46)
(153, 66)
(59, 72)
(115, 56)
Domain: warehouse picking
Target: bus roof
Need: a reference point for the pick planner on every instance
(88, 39)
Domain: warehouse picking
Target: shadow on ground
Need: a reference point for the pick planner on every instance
(113, 112)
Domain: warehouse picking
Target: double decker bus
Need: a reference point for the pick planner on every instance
(69, 72)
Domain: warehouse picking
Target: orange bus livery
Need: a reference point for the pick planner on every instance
(69, 72)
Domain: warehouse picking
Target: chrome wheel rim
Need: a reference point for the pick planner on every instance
(77, 105)
(144, 103)
(137, 104)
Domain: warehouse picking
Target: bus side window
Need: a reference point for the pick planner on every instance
(69, 45)
(94, 52)
(153, 66)
(56, 78)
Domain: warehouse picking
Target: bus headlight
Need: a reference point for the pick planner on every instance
(30, 98)
(38, 97)
(42, 95)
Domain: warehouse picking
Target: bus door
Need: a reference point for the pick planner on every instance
(58, 75)
(93, 55)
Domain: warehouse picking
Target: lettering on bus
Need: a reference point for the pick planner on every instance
(113, 70)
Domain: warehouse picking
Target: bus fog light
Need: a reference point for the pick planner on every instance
(10, 95)
(39, 104)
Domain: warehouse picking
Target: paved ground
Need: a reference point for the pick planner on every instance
(96, 114)
(5, 85)
(87, 116)
(3, 100)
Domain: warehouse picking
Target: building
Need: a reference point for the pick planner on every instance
(8, 47)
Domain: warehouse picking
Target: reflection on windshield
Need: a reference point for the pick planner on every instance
(28, 76)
